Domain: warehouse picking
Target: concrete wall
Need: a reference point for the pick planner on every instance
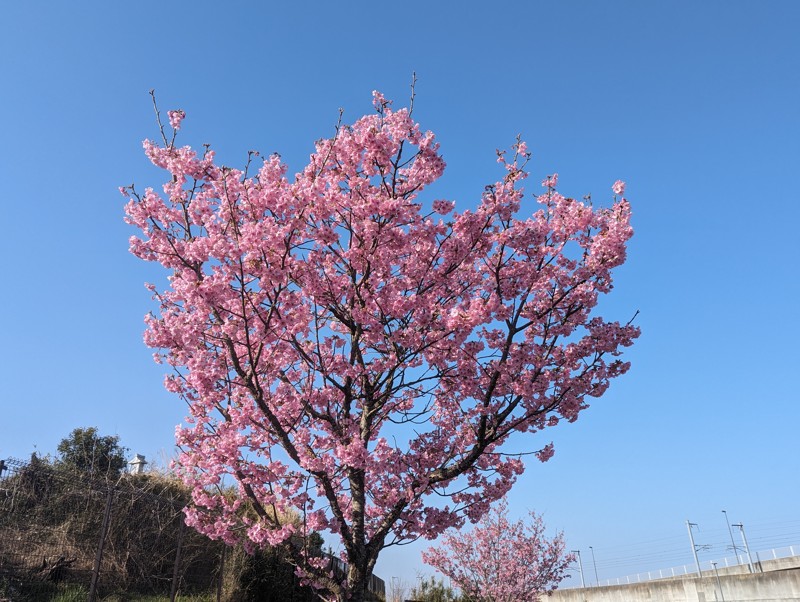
(764, 566)
(782, 585)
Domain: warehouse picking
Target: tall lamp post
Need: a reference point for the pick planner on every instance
(730, 532)
(594, 563)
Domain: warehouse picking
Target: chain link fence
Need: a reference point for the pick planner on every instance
(125, 540)
(58, 527)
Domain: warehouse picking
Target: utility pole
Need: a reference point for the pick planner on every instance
(733, 545)
(694, 547)
(580, 567)
(746, 547)
(596, 580)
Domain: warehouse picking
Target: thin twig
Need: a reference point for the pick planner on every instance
(333, 143)
(158, 117)
(413, 93)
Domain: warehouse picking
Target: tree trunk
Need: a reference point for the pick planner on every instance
(357, 582)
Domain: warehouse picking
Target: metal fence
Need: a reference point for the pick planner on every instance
(709, 565)
(129, 535)
(690, 570)
(62, 528)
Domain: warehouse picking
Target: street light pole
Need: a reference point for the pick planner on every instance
(733, 545)
(596, 580)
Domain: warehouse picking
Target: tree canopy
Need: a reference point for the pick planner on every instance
(85, 450)
(356, 353)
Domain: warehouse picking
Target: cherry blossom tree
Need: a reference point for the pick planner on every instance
(357, 354)
(502, 561)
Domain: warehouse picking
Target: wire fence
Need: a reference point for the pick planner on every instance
(741, 563)
(128, 535)
(61, 528)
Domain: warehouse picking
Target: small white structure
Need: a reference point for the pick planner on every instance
(137, 464)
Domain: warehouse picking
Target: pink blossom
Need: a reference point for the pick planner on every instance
(618, 187)
(550, 181)
(443, 207)
(175, 118)
(547, 452)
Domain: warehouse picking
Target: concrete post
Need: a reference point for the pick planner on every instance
(580, 567)
(719, 583)
(746, 547)
(694, 547)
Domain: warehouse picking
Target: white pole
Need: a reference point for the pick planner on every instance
(580, 567)
(694, 547)
(746, 547)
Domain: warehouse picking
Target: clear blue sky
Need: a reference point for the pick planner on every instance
(694, 104)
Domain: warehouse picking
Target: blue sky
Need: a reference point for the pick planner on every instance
(693, 104)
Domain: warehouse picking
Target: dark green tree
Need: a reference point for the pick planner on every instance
(85, 450)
